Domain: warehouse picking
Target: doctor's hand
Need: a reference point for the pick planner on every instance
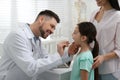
(98, 60)
(73, 48)
(61, 46)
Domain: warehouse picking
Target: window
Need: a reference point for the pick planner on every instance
(5, 18)
(14, 11)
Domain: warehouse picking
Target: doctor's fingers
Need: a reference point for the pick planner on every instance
(64, 43)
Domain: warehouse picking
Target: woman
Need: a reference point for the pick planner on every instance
(107, 22)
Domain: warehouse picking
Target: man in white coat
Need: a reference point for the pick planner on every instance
(24, 58)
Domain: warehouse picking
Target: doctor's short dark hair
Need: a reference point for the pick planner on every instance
(50, 14)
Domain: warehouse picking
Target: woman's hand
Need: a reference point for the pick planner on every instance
(73, 48)
(98, 60)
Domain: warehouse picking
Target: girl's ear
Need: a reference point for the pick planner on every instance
(83, 38)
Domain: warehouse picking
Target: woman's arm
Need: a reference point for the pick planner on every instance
(113, 54)
(100, 58)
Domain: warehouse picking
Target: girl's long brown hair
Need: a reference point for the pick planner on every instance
(88, 29)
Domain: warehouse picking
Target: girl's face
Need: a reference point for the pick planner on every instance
(76, 35)
(102, 2)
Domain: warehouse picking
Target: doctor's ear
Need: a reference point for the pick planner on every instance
(41, 19)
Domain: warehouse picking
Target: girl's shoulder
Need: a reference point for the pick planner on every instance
(85, 55)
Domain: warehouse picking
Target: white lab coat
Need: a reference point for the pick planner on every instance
(23, 60)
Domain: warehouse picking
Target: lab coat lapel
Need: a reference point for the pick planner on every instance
(33, 42)
(35, 48)
(29, 34)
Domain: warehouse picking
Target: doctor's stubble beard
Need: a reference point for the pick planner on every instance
(42, 33)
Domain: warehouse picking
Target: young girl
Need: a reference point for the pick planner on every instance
(84, 34)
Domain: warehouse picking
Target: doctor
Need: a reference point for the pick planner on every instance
(24, 57)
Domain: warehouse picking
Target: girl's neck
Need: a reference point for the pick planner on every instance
(84, 48)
